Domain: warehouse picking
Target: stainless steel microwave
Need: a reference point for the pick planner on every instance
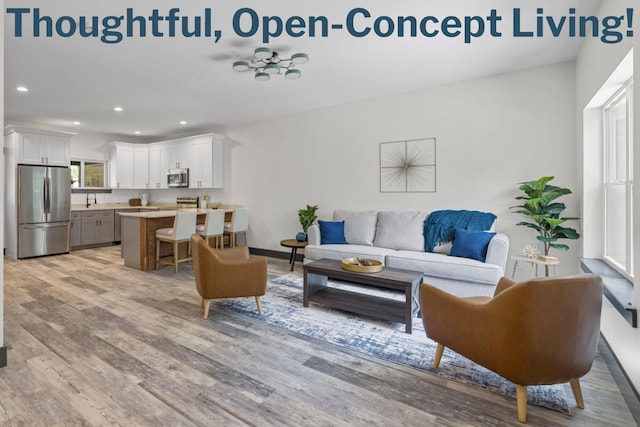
(178, 178)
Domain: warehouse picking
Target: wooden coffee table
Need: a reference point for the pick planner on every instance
(317, 273)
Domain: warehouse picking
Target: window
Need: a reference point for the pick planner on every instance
(88, 174)
(618, 180)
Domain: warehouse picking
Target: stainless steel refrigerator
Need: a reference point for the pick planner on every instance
(44, 210)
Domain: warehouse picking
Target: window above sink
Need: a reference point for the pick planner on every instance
(89, 175)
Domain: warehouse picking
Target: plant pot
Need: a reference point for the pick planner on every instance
(301, 236)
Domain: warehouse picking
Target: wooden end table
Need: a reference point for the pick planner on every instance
(294, 245)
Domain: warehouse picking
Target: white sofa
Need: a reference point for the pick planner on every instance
(397, 240)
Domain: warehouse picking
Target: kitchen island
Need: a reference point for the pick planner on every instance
(139, 235)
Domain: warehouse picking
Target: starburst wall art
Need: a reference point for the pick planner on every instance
(408, 166)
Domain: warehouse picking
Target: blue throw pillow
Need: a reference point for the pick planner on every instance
(471, 244)
(332, 233)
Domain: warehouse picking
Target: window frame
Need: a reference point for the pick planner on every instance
(625, 92)
(81, 188)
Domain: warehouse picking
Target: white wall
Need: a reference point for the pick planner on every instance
(491, 134)
(595, 64)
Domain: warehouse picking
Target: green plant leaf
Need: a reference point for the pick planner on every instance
(559, 246)
(554, 222)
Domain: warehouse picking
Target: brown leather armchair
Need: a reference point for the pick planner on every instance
(227, 273)
(540, 332)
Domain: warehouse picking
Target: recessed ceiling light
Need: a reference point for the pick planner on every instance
(76, 123)
(183, 122)
(137, 132)
(22, 89)
(118, 109)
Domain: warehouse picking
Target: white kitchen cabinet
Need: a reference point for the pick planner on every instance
(180, 155)
(206, 167)
(39, 147)
(97, 227)
(129, 165)
(141, 166)
(159, 164)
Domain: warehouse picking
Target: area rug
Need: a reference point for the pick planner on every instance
(282, 306)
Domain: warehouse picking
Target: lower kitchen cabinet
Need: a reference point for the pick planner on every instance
(97, 227)
(75, 238)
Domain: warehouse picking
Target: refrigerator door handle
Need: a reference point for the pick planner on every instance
(47, 204)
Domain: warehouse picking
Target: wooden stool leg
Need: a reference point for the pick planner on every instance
(175, 256)
(157, 253)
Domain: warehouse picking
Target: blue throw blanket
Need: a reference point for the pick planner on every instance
(440, 226)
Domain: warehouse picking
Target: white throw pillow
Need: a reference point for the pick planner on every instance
(359, 226)
(401, 230)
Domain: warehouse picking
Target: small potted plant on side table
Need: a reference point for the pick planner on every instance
(540, 204)
(306, 217)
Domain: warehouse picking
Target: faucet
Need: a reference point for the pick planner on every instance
(95, 199)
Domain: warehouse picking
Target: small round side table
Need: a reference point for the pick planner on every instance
(535, 263)
(294, 245)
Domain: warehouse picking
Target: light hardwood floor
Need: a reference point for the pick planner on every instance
(92, 342)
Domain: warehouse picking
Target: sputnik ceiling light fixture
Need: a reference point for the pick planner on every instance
(267, 62)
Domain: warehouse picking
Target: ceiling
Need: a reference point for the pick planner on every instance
(160, 81)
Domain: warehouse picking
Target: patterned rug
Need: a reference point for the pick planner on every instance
(282, 306)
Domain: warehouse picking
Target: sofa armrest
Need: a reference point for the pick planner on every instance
(498, 250)
(313, 235)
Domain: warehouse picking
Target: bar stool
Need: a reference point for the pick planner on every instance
(183, 227)
(213, 227)
(239, 224)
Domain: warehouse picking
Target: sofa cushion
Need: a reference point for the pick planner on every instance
(332, 232)
(359, 226)
(400, 230)
(444, 266)
(471, 244)
(339, 252)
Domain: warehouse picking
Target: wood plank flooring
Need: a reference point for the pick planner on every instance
(92, 342)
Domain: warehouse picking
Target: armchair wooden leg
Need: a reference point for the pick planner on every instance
(521, 399)
(206, 303)
(258, 304)
(577, 392)
(439, 351)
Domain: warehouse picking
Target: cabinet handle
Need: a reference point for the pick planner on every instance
(47, 160)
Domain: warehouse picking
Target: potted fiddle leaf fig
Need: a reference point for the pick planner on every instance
(306, 217)
(541, 205)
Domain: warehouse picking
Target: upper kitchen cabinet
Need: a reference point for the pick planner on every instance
(203, 155)
(39, 147)
(207, 168)
(129, 165)
(159, 164)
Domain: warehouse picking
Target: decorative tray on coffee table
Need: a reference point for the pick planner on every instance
(362, 265)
